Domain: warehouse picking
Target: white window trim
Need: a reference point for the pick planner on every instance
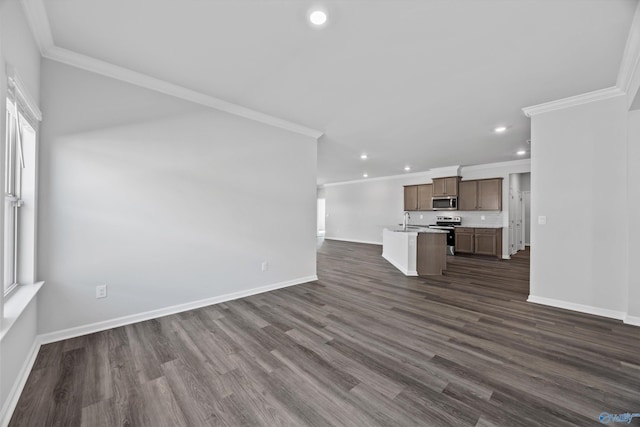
(13, 304)
(22, 96)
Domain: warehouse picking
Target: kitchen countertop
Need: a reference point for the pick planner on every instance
(481, 226)
(416, 229)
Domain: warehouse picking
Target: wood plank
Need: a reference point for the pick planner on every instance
(363, 345)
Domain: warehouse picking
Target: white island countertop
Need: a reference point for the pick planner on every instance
(415, 229)
(481, 226)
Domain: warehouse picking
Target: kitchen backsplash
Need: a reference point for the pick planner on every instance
(468, 218)
(475, 218)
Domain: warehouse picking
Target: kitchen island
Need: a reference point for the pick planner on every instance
(415, 251)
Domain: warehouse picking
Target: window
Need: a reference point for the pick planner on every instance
(19, 190)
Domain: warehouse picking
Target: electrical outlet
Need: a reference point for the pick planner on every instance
(265, 266)
(542, 220)
(101, 291)
(421, 216)
(482, 217)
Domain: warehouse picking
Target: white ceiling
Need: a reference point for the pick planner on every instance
(421, 83)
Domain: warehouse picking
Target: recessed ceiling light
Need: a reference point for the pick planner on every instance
(318, 17)
(407, 168)
(363, 156)
(365, 175)
(521, 153)
(500, 129)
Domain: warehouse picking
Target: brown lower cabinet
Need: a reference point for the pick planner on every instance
(432, 253)
(479, 241)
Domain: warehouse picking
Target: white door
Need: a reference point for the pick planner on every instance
(519, 234)
(321, 217)
(512, 222)
(526, 202)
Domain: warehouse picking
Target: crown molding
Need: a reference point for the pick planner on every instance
(629, 74)
(507, 164)
(36, 15)
(97, 66)
(39, 22)
(445, 171)
(21, 89)
(573, 101)
(429, 174)
(627, 83)
(424, 174)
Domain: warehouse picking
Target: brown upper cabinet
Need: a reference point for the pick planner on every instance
(411, 198)
(418, 197)
(445, 186)
(425, 193)
(480, 195)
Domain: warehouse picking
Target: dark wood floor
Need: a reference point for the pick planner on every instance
(364, 345)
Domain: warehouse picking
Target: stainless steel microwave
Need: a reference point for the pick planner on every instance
(446, 203)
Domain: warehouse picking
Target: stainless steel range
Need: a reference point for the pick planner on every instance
(448, 223)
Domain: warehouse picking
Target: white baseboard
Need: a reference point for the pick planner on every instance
(166, 311)
(613, 314)
(399, 266)
(632, 320)
(14, 395)
(368, 242)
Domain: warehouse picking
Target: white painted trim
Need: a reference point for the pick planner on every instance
(427, 175)
(399, 266)
(629, 73)
(368, 242)
(23, 93)
(166, 311)
(613, 314)
(38, 21)
(572, 101)
(445, 172)
(511, 163)
(632, 320)
(36, 14)
(14, 395)
(97, 66)
(15, 304)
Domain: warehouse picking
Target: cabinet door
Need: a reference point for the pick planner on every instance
(411, 198)
(451, 186)
(431, 254)
(490, 194)
(425, 193)
(445, 186)
(485, 244)
(439, 187)
(468, 197)
(464, 242)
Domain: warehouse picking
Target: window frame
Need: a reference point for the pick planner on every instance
(26, 112)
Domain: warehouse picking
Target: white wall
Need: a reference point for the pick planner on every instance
(633, 162)
(163, 201)
(18, 49)
(578, 160)
(360, 210)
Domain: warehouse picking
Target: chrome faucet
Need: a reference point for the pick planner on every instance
(405, 220)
